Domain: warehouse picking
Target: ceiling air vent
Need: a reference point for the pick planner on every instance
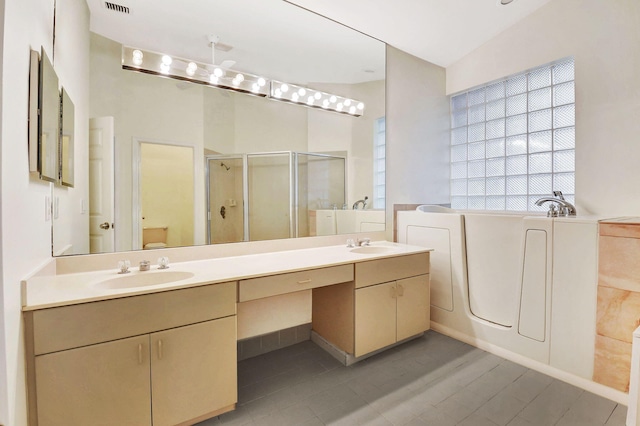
(116, 7)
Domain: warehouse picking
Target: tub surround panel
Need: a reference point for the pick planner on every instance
(612, 363)
(618, 313)
(619, 268)
(573, 300)
(618, 309)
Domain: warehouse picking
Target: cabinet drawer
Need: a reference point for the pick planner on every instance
(391, 269)
(273, 285)
(73, 326)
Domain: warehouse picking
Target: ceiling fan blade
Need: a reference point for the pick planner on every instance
(227, 64)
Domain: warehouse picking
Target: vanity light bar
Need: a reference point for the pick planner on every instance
(315, 98)
(182, 69)
(164, 65)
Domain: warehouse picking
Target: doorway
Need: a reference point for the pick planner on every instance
(166, 192)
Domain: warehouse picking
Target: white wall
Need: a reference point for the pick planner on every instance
(417, 133)
(26, 236)
(604, 39)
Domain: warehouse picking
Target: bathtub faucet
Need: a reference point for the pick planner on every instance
(565, 208)
(363, 202)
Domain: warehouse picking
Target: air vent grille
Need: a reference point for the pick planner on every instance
(116, 7)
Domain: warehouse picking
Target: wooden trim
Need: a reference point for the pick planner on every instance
(625, 230)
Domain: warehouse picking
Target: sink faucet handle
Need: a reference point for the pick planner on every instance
(123, 266)
(364, 241)
(145, 265)
(558, 194)
(163, 262)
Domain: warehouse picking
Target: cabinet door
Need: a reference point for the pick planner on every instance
(104, 384)
(193, 371)
(413, 306)
(375, 317)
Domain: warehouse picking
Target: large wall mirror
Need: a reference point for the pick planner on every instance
(178, 145)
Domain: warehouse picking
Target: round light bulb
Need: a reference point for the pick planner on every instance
(255, 87)
(339, 107)
(360, 106)
(213, 79)
(284, 88)
(262, 82)
(317, 95)
(325, 103)
(333, 99)
(310, 100)
(301, 91)
(137, 57)
(295, 97)
(164, 68)
(218, 72)
(239, 77)
(347, 102)
(166, 60)
(192, 68)
(352, 110)
(278, 93)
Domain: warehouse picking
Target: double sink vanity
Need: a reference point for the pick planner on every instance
(159, 347)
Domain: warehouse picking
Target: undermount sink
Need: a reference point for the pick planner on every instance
(143, 279)
(373, 250)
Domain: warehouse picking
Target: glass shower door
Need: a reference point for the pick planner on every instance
(270, 195)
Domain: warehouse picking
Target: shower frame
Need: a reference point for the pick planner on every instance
(294, 186)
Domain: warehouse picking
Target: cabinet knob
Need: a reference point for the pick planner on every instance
(400, 290)
(105, 225)
(140, 353)
(159, 349)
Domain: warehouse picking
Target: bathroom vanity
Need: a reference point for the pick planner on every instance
(101, 349)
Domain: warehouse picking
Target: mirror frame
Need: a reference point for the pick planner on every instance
(48, 121)
(66, 139)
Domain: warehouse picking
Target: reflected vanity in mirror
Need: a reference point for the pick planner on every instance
(293, 45)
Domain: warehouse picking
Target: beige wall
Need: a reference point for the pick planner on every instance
(603, 38)
(167, 191)
(26, 236)
(417, 133)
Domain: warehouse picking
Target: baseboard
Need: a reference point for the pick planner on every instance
(581, 382)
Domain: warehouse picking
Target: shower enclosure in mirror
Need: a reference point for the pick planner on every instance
(272, 195)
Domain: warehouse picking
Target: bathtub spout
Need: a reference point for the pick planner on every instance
(566, 208)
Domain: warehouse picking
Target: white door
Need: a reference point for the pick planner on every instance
(101, 185)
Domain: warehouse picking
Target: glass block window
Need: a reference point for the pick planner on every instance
(379, 164)
(513, 141)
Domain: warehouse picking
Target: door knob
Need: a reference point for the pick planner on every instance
(105, 225)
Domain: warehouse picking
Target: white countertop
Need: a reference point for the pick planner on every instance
(68, 289)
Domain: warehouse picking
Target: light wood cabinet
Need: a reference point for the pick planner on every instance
(176, 373)
(193, 371)
(386, 303)
(104, 384)
(390, 312)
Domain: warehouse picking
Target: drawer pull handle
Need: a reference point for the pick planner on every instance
(304, 281)
(159, 349)
(394, 293)
(140, 353)
(400, 290)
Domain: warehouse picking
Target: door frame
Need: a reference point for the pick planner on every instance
(136, 208)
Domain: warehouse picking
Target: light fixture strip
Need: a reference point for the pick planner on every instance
(182, 69)
(301, 95)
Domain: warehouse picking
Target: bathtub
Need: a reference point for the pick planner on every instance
(521, 286)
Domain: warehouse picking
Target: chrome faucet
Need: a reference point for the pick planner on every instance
(364, 241)
(364, 203)
(565, 208)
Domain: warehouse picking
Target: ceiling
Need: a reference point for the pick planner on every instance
(438, 31)
(276, 39)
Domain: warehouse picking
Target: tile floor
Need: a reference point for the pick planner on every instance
(433, 380)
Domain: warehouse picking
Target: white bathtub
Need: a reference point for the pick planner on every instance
(521, 286)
